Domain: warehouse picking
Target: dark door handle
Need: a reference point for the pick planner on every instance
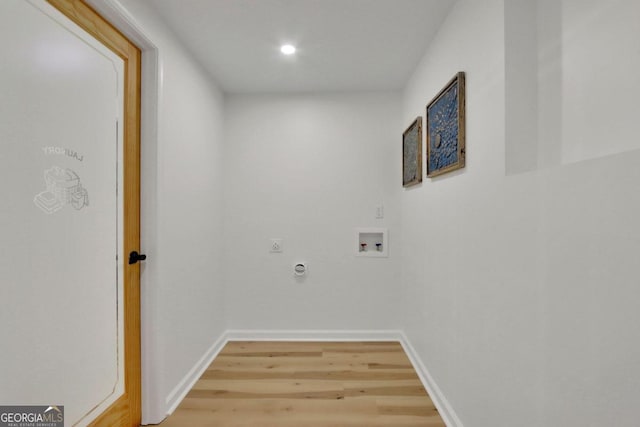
(134, 257)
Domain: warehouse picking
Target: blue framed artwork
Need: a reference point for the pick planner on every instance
(446, 129)
(412, 154)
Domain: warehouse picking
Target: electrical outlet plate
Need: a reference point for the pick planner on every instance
(276, 246)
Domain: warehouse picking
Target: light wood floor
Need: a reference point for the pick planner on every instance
(308, 384)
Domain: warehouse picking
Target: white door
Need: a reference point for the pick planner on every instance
(63, 256)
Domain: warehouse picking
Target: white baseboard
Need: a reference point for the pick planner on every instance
(180, 391)
(313, 335)
(442, 404)
(445, 409)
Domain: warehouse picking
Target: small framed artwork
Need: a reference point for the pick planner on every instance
(412, 154)
(446, 128)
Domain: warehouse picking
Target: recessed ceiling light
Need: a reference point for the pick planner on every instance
(288, 49)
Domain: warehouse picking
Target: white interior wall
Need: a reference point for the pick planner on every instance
(310, 169)
(523, 308)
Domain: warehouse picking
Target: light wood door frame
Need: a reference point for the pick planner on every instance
(126, 411)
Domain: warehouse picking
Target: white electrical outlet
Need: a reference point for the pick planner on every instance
(379, 211)
(276, 245)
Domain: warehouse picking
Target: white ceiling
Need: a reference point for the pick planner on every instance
(343, 45)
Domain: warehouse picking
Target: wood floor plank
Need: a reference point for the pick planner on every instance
(329, 374)
(310, 384)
